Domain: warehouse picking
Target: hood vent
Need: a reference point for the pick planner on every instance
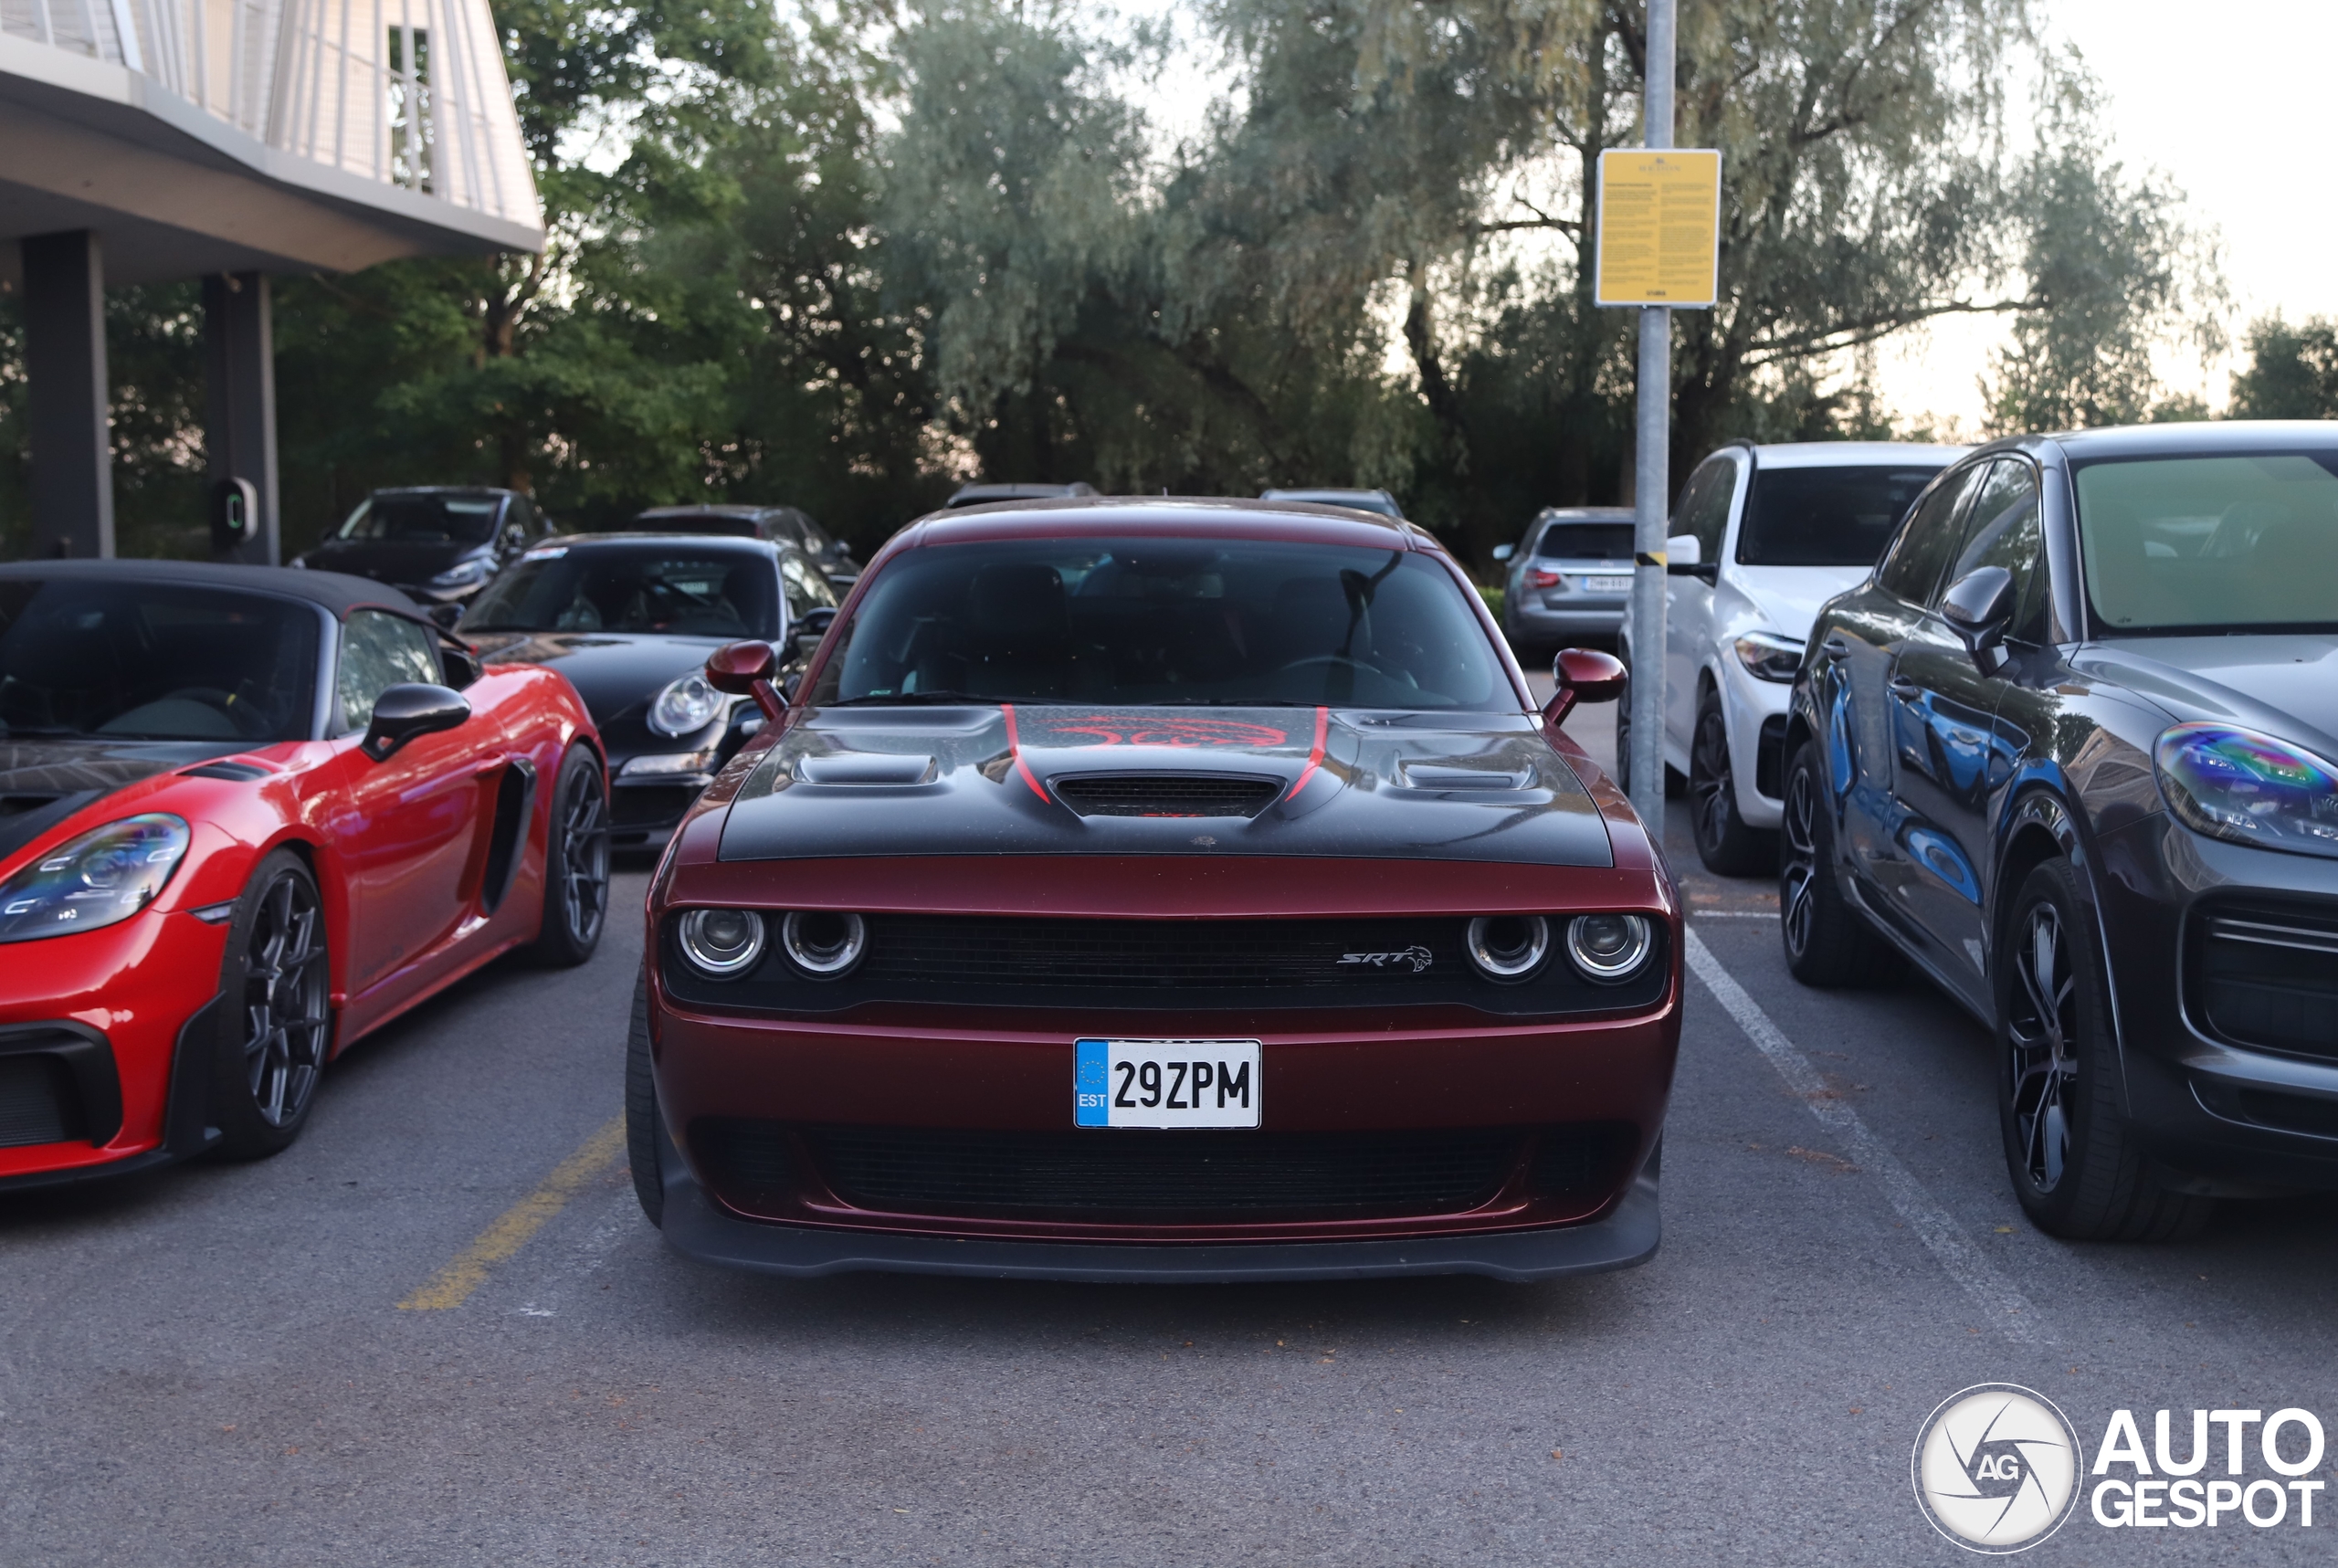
(865, 768)
(1166, 795)
(238, 773)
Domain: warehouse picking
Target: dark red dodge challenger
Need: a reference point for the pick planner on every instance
(1143, 889)
(244, 817)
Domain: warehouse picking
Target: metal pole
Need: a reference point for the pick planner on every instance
(1652, 483)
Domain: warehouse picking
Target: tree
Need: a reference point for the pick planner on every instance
(2292, 371)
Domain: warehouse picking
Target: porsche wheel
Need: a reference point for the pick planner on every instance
(576, 863)
(1829, 943)
(641, 1111)
(278, 1023)
(2073, 1160)
(1728, 846)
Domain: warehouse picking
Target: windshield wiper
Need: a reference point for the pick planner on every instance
(913, 699)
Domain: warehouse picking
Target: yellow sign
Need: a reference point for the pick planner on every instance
(1659, 228)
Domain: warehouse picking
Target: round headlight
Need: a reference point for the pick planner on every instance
(723, 944)
(1509, 948)
(1609, 948)
(685, 706)
(823, 945)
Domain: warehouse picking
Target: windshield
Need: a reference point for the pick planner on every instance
(1586, 541)
(153, 661)
(667, 588)
(1828, 517)
(2211, 544)
(1154, 621)
(425, 519)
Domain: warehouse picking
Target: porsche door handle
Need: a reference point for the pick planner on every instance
(1905, 690)
(1835, 647)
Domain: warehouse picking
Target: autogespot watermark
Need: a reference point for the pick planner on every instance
(1998, 1468)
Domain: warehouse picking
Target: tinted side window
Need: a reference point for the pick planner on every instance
(1704, 505)
(1926, 541)
(379, 650)
(2003, 529)
(804, 587)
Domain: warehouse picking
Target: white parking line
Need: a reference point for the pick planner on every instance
(2005, 1307)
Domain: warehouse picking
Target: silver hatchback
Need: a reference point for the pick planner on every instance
(1570, 579)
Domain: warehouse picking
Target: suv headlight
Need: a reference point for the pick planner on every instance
(1766, 655)
(2249, 787)
(102, 878)
(462, 572)
(686, 706)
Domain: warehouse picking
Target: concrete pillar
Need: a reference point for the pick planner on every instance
(65, 366)
(239, 401)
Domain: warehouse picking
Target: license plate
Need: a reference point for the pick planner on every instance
(1605, 584)
(1166, 1083)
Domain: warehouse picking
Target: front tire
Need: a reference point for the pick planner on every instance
(276, 1025)
(576, 863)
(1728, 846)
(641, 1111)
(2073, 1157)
(1829, 943)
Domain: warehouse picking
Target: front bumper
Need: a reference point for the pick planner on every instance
(1755, 713)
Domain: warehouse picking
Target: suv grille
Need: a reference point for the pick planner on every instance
(2268, 976)
(1148, 1178)
(1166, 795)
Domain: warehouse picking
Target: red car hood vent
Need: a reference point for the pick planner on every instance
(1166, 795)
(1056, 778)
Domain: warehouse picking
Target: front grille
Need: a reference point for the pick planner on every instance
(2266, 977)
(1148, 1178)
(37, 1102)
(1010, 961)
(1166, 795)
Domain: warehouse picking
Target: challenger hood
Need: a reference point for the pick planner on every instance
(1176, 780)
(613, 671)
(43, 782)
(2283, 684)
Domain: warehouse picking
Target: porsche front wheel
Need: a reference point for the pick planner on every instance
(277, 1023)
(576, 862)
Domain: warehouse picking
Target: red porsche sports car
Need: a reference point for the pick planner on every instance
(1159, 890)
(246, 814)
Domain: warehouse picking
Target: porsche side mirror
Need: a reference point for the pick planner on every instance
(1504, 552)
(1976, 608)
(402, 712)
(1585, 675)
(747, 670)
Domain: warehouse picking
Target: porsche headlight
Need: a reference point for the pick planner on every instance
(1766, 655)
(686, 706)
(2240, 784)
(104, 877)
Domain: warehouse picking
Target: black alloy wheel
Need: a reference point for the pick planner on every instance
(2075, 1163)
(576, 862)
(1726, 843)
(1829, 943)
(277, 1012)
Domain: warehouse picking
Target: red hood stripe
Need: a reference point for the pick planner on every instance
(1314, 756)
(1016, 747)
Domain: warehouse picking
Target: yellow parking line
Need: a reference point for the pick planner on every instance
(452, 1285)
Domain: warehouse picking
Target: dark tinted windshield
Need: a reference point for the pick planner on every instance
(1149, 622)
(155, 661)
(632, 588)
(2211, 544)
(1828, 517)
(1586, 541)
(425, 519)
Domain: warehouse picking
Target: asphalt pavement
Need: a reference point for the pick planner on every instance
(439, 1331)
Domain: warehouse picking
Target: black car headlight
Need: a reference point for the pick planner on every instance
(100, 878)
(1766, 655)
(1509, 948)
(685, 706)
(1609, 948)
(721, 945)
(2246, 786)
(822, 943)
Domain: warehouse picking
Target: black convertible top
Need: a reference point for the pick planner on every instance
(336, 591)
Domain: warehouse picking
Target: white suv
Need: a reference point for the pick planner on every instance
(1761, 537)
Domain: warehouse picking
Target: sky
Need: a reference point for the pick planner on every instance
(2236, 113)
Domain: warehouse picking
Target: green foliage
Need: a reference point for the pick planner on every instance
(2292, 371)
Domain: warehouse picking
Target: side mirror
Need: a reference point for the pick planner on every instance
(402, 712)
(1976, 608)
(811, 626)
(1504, 552)
(1680, 560)
(444, 616)
(746, 670)
(1585, 675)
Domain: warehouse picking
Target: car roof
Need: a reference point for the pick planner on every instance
(739, 543)
(981, 495)
(715, 508)
(2204, 437)
(1168, 517)
(1852, 454)
(1356, 497)
(1586, 514)
(439, 490)
(336, 590)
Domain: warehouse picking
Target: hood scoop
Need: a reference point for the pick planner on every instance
(865, 769)
(1166, 795)
(1419, 775)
